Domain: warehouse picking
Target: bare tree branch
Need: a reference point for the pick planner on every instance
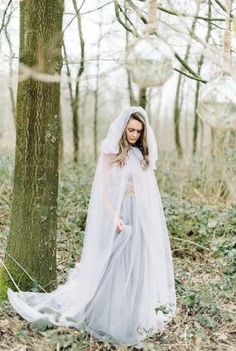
(182, 14)
(68, 72)
(118, 9)
(4, 15)
(85, 13)
(175, 13)
(191, 77)
(11, 91)
(221, 6)
(82, 43)
(177, 56)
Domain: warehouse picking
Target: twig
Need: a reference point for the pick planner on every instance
(9, 255)
(222, 7)
(186, 15)
(191, 242)
(191, 77)
(117, 9)
(4, 15)
(84, 13)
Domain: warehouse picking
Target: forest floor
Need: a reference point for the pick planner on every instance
(201, 220)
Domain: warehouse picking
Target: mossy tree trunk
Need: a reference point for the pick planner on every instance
(32, 238)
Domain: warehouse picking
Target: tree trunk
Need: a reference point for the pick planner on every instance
(200, 63)
(61, 142)
(96, 93)
(76, 97)
(177, 119)
(31, 245)
(11, 55)
(177, 105)
(143, 97)
(129, 81)
(195, 125)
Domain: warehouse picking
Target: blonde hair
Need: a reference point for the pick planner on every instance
(141, 143)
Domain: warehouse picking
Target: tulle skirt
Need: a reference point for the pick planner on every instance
(119, 311)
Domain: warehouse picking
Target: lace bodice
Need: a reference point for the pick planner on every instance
(130, 187)
(133, 154)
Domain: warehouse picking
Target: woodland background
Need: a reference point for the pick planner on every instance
(73, 67)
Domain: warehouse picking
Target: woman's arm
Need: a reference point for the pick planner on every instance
(107, 160)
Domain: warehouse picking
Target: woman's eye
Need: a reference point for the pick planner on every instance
(132, 130)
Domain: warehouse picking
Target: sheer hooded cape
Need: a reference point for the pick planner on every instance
(67, 305)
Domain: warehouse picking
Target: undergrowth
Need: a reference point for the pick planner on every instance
(202, 233)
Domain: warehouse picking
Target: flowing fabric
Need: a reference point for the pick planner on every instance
(123, 285)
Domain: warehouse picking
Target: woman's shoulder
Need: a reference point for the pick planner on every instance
(107, 157)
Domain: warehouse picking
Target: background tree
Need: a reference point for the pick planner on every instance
(74, 92)
(31, 244)
(96, 96)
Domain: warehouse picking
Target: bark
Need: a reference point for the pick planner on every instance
(32, 238)
(61, 143)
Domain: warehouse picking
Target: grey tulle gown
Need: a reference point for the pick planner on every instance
(114, 312)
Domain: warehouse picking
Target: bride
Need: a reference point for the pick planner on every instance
(123, 286)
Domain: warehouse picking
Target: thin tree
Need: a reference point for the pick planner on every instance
(31, 246)
(199, 67)
(11, 53)
(129, 81)
(96, 94)
(177, 104)
(75, 91)
(143, 97)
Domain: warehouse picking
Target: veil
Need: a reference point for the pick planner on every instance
(67, 305)
(116, 129)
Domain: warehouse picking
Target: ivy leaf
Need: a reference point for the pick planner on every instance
(42, 324)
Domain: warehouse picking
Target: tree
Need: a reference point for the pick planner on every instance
(31, 247)
(96, 95)
(199, 67)
(8, 39)
(75, 92)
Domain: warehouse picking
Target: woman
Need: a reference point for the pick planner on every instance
(123, 286)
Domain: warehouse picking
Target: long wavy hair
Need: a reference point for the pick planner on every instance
(141, 143)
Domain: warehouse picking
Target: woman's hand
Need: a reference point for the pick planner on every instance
(120, 225)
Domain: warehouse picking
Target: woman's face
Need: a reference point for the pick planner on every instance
(134, 130)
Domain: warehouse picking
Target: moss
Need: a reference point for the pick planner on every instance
(4, 284)
(20, 278)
